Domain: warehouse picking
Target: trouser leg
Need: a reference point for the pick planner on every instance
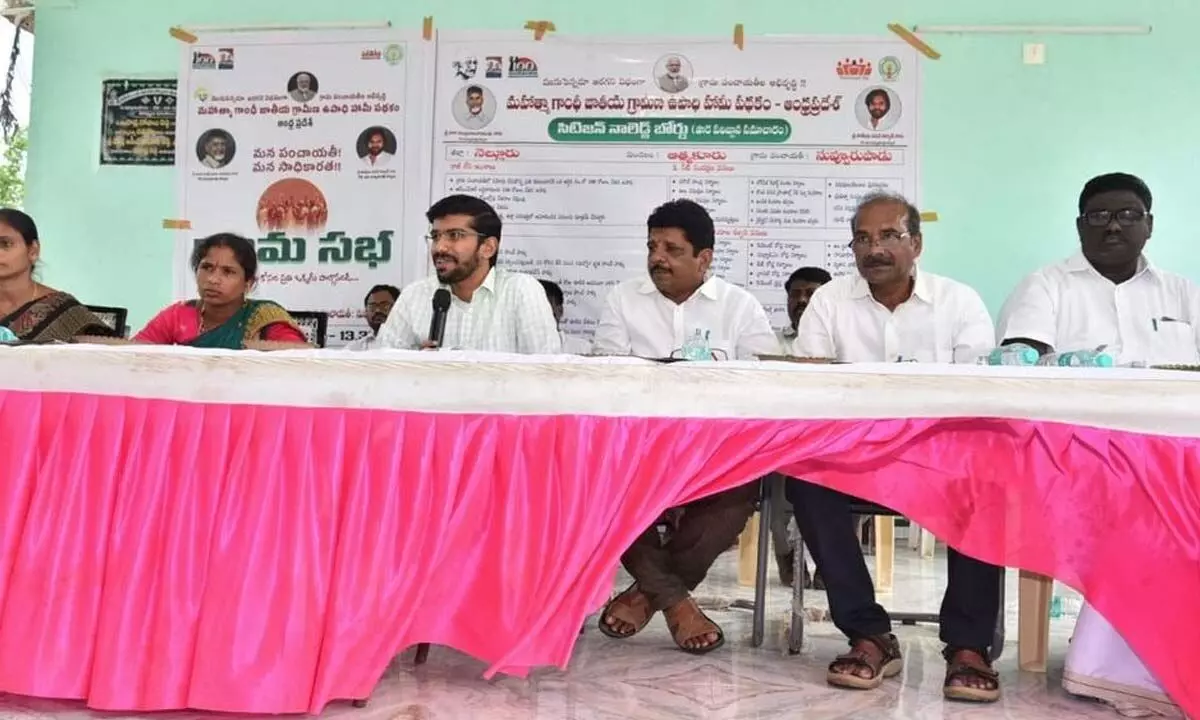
(824, 519)
(971, 604)
(707, 529)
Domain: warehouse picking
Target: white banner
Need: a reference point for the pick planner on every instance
(316, 145)
(575, 140)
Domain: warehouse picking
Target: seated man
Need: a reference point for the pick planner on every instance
(491, 309)
(1109, 294)
(377, 306)
(894, 311)
(654, 316)
(571, 344)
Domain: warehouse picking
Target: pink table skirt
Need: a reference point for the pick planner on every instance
(157, 554)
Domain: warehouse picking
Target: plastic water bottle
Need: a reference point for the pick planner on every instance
(697, 347)
(1078, 358)
(1015, 354)
(1064, 606)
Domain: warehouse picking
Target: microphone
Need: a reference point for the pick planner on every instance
(441, 307)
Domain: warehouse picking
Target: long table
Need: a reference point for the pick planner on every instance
(262, 532)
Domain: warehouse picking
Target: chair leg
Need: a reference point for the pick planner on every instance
(764, 566)
(885, 547)
(422, 654)
(1033, 623)
(796, 631)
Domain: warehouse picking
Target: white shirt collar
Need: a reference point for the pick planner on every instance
(1077, 263)
(921, 287)
(710, 289)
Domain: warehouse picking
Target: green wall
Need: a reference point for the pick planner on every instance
(1007, 146)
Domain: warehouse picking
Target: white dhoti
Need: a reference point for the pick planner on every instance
(1102, 666)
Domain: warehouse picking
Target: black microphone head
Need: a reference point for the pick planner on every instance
(441, 300)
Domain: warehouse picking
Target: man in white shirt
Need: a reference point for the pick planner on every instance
(490, 309)
(571, 344)
(377, 155)
(475, 113)
(893, 311)
(800, 287)
(378, 304)
(673, 80)
(1109, 295)
(653, 316)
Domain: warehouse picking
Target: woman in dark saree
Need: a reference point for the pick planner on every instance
(226, 267)
(32, 311)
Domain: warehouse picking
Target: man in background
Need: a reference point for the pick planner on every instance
(571, 345)
(378, 304)
(800, 288)
(654, 316)
(490, 309)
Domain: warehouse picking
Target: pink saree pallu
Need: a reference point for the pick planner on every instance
(263, 532)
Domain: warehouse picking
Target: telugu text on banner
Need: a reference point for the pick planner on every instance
(314, 144)
(575, 140)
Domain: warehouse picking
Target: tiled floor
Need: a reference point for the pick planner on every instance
(645, 677)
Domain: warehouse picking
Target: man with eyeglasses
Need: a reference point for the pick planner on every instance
(1109, 295)
(893, 311)
(490, 309)
(653, 316)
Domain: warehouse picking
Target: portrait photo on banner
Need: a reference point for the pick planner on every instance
(215, 148)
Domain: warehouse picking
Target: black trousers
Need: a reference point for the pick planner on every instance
(969, 608)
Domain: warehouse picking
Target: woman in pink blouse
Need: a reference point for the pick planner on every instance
(226, 267)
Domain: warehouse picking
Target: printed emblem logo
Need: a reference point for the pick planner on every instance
(889, 68)
(522, 67)
(859, 69)
(466, 68)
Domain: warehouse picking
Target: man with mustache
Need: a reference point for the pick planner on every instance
(893, 311)
(879, 104)
(490, 309)
(673, 80)
(653, 316)
(379, 302)
(216, 151)
(1109, 294)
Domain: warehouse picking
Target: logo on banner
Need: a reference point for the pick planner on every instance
(393, 54)
(859, 69)
(203, 60)
(201, 94)
(494, 67)
(466, 68)
(522, 67)
(889, 68)
(225, 59)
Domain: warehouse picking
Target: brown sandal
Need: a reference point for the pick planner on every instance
(693, 625)
(628, 609)
(843, 672)
(959, 673)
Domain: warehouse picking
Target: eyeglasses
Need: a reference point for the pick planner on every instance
(1104, 218)
(454, 235)
(885, 239)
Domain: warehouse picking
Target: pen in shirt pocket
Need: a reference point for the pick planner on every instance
(1164, 319)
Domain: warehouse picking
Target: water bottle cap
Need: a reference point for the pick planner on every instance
(1029, 356)
(1104, 360)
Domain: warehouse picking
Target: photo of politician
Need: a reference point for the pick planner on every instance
(303, 87)
(215, 148)
(877, 109)
(474, 107)
(376, 147)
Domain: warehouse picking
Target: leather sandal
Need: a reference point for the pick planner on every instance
(627, 609)
(959, 673)
(843, 672)
(692, 625)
